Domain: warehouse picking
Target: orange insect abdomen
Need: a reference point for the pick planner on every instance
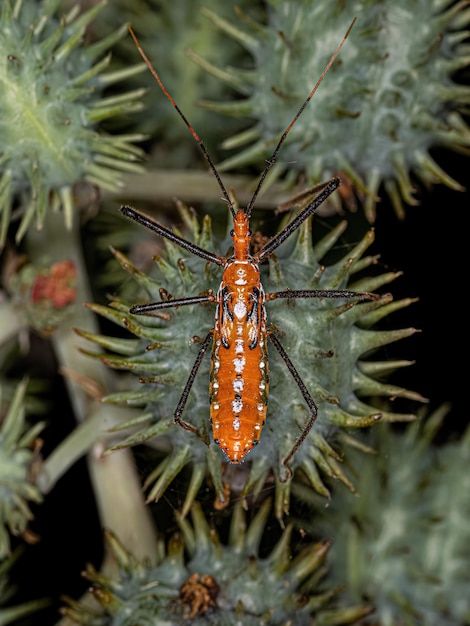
(239, 378)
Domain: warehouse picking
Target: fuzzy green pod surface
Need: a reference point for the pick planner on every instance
(219, 583)
(386, 102)
(51, 98)
(403, 541)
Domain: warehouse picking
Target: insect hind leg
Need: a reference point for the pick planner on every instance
(187, 388)
(308, 399)
(291, 294)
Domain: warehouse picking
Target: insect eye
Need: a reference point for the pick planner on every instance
(232, 233)
(249, 233)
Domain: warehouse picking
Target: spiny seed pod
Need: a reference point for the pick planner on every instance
(218, 584)
(404, 542)
(51, 101)
(17, 457)
(387, 101)
(326, 339)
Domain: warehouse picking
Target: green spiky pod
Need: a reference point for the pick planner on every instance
(218, 584)
(388, 99)
(17, 456)
(170, 33)
(326, 339)
(52, 99)
(404, 542)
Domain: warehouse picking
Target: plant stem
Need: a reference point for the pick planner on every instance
(115, 479)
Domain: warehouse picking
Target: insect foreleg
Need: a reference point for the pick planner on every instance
(187, 388)
(145, 309)
(151, 224)
(322, 293)
(266, 250)
(308, 399)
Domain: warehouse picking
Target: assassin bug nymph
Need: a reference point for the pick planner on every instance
(239, 377)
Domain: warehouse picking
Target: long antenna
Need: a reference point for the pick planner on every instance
(272, 160)
(183, 117)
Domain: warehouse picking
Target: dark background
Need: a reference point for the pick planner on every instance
(428, 246)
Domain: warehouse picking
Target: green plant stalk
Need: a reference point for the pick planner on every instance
(157, 185)
(87, 382)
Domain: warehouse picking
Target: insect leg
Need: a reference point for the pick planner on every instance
(151, 224)
(322, 293)
(145, 309)
(326, 190)
(308, 399)
(187, 388)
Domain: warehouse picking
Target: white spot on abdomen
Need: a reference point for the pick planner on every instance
(239, 364)
(238, 385)
(237, 406)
